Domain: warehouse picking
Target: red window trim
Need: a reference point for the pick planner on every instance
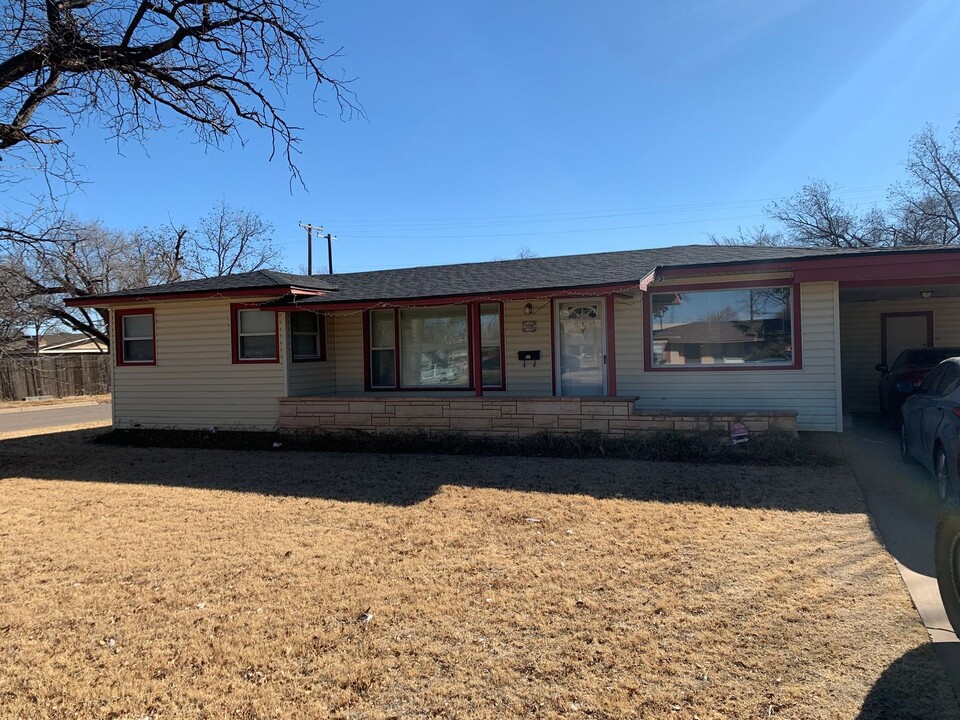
(795, 323)
(474, 371)
(118, 316)
(321, 338)
(235, 335)
(928, 314)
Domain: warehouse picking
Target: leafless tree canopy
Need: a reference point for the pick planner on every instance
(923, 210)
(39, 269)
(132, 64)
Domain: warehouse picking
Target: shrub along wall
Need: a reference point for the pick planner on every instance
(613, 416)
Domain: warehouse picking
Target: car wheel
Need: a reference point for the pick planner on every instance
(941, 472)
(947, 560)
(904, 450)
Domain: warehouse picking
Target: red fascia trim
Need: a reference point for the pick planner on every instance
(104, 302)
(843, 266)
(118, 316)
(235, 335)
(611, 347)
(796, 328)
(728, 285)
(899, 282)
(883, 329)
(579, 291)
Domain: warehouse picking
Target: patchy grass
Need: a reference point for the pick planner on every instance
(178, 583)
(774, 448)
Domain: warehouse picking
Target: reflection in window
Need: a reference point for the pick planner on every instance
(490, 361)
(747, 326)
(433, 347)
(382, 349)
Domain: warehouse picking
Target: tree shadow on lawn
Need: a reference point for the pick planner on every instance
(408, 479)
(913, 686)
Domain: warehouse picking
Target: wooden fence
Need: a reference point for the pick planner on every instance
(59, 376)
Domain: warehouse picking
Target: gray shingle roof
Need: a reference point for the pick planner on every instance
(256, 280)
(503, 276)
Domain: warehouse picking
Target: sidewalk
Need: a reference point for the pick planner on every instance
(903, 503)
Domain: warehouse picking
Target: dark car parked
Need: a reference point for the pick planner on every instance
(930, 426)
(900, 380)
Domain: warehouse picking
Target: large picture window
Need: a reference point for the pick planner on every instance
(427, 348)
(722, 328)
(433, 347)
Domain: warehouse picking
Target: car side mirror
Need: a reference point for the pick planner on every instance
(880, 368)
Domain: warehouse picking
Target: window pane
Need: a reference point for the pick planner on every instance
(258, 347)
(382, 368)
(433, 344)
(138, 350)
(138, 326)
(489, 324)
(381, 328)
(490, 363)
(305, 346)
(255, 321)
(304, 322)
(723, 327)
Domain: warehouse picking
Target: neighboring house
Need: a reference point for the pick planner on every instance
(54, 344)
(686, 337)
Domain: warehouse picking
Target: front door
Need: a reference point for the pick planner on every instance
(582, 367)
(899, 331)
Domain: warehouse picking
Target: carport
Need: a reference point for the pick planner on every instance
(878, 322)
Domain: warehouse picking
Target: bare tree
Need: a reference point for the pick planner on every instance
(133, 65)
(79, 259)
(928, 203)
(814, 217)
(230, 240)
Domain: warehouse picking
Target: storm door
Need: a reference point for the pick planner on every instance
(582, 367)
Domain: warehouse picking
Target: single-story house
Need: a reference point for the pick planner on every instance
(686, 337)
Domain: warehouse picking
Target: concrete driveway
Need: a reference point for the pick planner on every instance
(39, 418)
(903, 502)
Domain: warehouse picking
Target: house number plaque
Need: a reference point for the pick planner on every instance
(529, 325)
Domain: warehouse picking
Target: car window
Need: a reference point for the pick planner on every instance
(949, 379)
(930, 382)
(900, 361)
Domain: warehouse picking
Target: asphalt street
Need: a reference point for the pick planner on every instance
(18, 420)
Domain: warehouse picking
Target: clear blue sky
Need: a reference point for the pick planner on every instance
(564, 126)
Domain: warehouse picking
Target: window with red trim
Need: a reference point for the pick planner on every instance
(722, 328)
(255, 335)
(307, 336)
(136, 343)
(433, 347)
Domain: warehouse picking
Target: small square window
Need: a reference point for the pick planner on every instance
(135, 337)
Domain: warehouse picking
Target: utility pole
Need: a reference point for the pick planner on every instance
(330, 239)
(310, 228)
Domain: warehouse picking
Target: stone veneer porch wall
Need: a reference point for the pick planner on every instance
(614, 416)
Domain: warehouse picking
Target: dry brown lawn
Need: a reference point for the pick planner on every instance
(6, 404)
(156, 583)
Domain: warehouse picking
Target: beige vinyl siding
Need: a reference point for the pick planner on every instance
(860, 342)
(195, 383)
(529, 380)
(348, 339)
(812, 391)
(313, 377)
(628, 327)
